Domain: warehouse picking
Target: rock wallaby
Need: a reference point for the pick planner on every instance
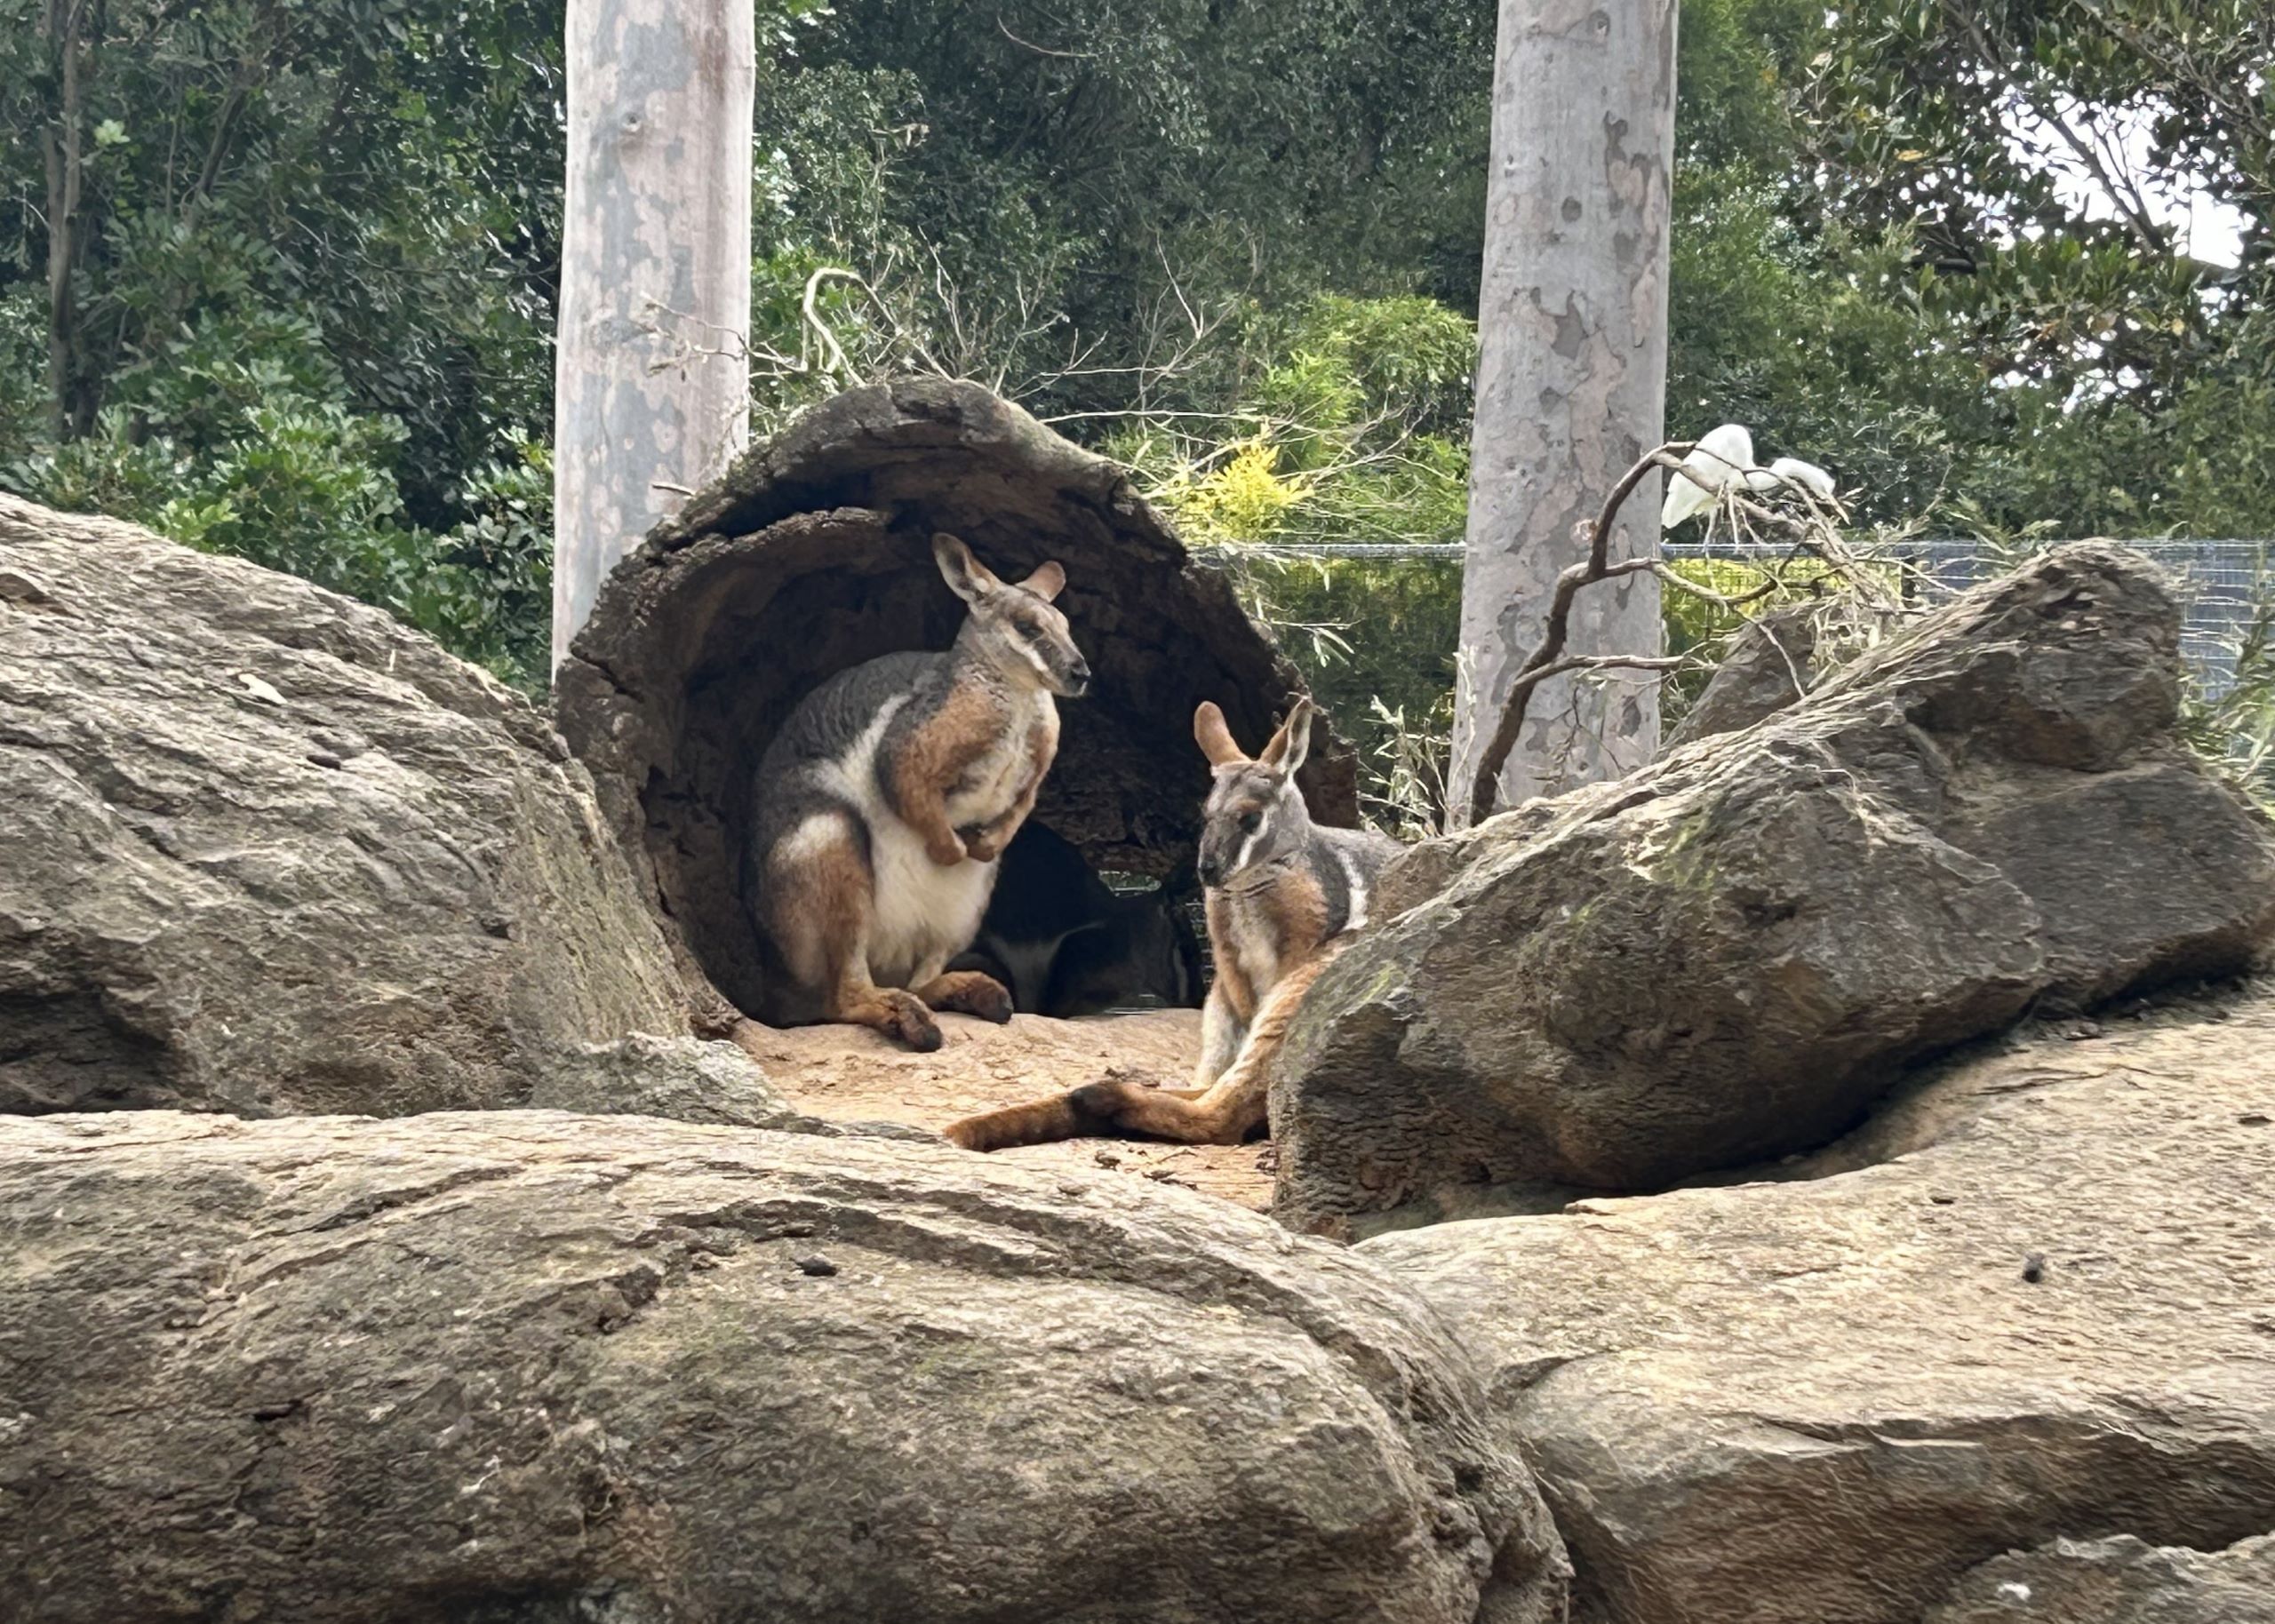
(1066, 944)
(1283, 896)
(886, 799)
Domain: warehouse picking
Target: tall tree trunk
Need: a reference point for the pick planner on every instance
(63, 149)
(1571, 379)
(652, 379)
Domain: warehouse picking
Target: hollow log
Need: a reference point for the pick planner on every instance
(812, 554)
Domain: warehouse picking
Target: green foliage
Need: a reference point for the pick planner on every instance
(240, 437)
(310, 260)
(311, 292)
(2236, 726)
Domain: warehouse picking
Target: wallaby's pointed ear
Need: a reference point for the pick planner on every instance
(966, 575)
(1047, 582)
(1215, 738)
(1289, 746)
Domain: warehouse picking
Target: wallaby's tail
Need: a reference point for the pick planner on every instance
(1037, 1122)
(1099, 1109)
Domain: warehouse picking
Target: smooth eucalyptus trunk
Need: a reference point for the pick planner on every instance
(1571, 382)
(652, 373)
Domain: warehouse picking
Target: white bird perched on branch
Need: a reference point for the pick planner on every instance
(1794, 471)
(1721, 455)
(1725, 454)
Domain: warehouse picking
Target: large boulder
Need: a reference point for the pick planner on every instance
(1728, 956)
(264, 850)
(1768, 664)
(2122, 1580)
(812, 554)
(532, 1368)
(2033, 1299)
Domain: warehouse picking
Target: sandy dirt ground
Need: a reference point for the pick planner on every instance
(850, 1074)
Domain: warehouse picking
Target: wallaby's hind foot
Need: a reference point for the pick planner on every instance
(971, 992)
(894, 1013)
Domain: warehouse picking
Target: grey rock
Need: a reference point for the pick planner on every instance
(812, 554)
(2119, 1580)
(528, 1367)
(1834, 1397)
(1727, 956)
(1769, 663)
(263, 850)
(686, 1079)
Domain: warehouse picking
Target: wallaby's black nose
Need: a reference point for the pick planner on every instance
(1208, 872)
(1082, 672)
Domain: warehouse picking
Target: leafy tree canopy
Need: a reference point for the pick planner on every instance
(276, 275)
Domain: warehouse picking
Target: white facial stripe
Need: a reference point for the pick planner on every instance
(1033, 652)
(1247, 846)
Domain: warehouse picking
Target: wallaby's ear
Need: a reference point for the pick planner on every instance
(1215, 738)
(1289, 746)
(1047, 582)
(966, 575)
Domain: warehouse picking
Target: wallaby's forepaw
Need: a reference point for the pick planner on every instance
(973, 992)
(981, 848)
(946, 851)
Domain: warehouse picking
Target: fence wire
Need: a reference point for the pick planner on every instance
(2222, 583)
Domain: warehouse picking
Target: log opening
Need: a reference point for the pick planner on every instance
(813, 553)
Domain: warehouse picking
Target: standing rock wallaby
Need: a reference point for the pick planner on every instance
(885, 800)
(1283, 896)
(1066, 944)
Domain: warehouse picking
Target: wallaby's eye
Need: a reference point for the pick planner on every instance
(1251, 822)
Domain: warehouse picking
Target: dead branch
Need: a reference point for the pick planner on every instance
(1485, 789)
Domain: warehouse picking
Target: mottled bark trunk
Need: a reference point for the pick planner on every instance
(1571, 379)
(653, 380)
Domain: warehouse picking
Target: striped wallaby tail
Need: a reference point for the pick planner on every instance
(1037, 1122)
(1225, 1112)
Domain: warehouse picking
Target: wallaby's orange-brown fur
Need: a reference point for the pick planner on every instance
(1283, 896)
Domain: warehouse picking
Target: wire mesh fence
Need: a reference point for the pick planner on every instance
(2223, 585)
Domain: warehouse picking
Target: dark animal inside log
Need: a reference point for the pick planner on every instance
(812, 554)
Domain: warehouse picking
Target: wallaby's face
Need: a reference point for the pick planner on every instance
(1254, 814)
(1012, 626)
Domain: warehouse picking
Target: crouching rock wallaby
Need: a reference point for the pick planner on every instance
(1284, 896)
(885, 800)
(1065, 945)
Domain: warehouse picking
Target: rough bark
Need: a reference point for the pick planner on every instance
(2030, 1300)
(813, 553)
(652, 379)
(532, 1368)
(263, 850)
(1571, 379)
(1728, 956)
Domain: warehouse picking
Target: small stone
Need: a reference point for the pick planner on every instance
(2034, 1268)
(1943, 1200)
(324, 757)
(2256, 1118)
(815, 1264)
(1107, 1158)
